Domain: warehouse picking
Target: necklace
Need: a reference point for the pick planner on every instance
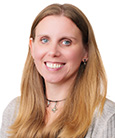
(54, 109)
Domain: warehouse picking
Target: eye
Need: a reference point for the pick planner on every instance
(66, 42)
(44, 40)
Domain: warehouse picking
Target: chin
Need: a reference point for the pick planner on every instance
(54, 81)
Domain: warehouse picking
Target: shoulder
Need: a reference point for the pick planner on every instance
(12, 108)
(103, 125)
(12, 105)
(9, 115)
(108, 110)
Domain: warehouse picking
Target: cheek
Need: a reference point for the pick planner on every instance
(75, 56)
(38, 53)
(38, 58)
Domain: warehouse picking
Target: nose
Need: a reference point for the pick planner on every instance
(54, 50)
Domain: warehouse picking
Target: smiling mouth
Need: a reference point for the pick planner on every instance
(54, 65)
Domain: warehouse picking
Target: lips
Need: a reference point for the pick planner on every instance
(54, 65)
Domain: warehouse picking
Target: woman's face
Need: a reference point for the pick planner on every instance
(57, 49)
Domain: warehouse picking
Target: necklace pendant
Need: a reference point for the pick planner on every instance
(54, 109)
(48, 104)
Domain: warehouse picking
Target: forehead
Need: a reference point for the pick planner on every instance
(57, 24)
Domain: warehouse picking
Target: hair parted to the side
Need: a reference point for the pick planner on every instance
(87, 94)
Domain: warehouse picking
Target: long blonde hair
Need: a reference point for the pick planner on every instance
(87, 94)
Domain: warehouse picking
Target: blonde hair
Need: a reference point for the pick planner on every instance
(87, 94)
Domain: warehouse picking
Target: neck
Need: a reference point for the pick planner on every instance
(57, 91)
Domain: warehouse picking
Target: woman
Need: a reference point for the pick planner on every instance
(63, 90)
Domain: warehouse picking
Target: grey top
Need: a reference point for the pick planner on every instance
(102, 126)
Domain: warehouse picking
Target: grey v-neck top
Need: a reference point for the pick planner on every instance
(102, 126)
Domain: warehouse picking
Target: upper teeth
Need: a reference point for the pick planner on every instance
(53, 65)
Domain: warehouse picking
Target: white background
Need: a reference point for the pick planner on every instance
(16, 17)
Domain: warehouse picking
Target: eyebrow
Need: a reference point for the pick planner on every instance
(42, 35)
(65, 36)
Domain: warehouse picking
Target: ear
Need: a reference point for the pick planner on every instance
(31, 46)
(85, 56)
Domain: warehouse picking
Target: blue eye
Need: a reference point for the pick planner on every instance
(66, 42)
(44, 40)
